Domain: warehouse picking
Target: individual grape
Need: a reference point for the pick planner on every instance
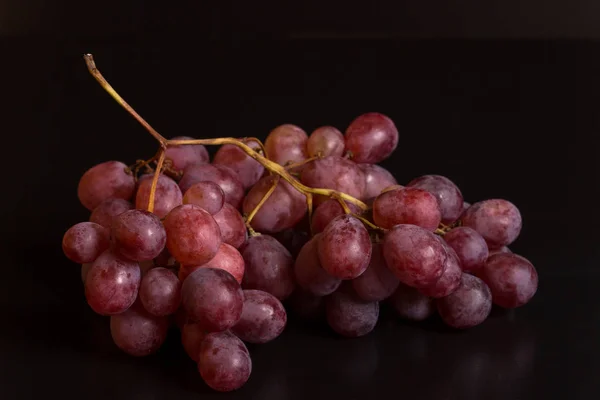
(350, 316)
(108, 209)
(325, 141)
(185, 155)
(376, 180)
(502, 249)
(85, 241)
(286, 144)
(414, 255)
(193, 236)
(411, 304)
(334, 173)
(293, 240)
(138, 235)
(450, 279)
(112, 284)
(283, 210)
(263, 318)
(206, 195)
(232, 225)
(219, 174)
(470, 247)
(307, 305)
(228, 258)
(137, 332)
(309, 273)
(345, 248)
(160, 292)
(512, 279)
(105, 181)
(269, 266)
(192, 336)
(448, 195)
(326, 212)
(224, 361)
(85, 268)
(467, 306)
(377, 282)
(167, 195)
(213, 298)
(498, 221)
(248, 170)
(406, 206)
(371, 138)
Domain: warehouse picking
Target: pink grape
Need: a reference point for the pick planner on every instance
(213, 298)
(470, 247)
(411, 304)
(105, 181)
(224, 362)
(138, 235)
(309, 273)
(283, 210)
(344, 247)
(167, 195)
(334, 173)
(467, 306)
(192, 336)
(414, 255)
(512, 279)
(108, 209)
(85, 241)
(248, 170)
(206, 195)
(350, 316)
(450, 279)
(307, 305)
(219, 174)
(160, 292)
(286, 144)
(448, 195)
(498, 221)
(371, 138)
(185, 155)
(112, 284)
(263, 318)
(228, 258)
(406, 206)
(232, 225)
(377, 282)
(326, 212)
(376, 180)
(138, 333)
(502, 249)
(193, 236)
(269, 266)
(325, 141)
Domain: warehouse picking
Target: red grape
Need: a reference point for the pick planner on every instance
(160, 292)
(498, 221)
(292, 239)
(224, 361)
(325, 141)
(334, 173)
(326, 212)
(309, 273)
(248, 170)
(85, 241)
(104, 181)
(108, 209)
(228, 258)
(138, 333)
(450, 279)
(371, 138)
(411, 304)
(467, 306)
(219, 174)
(286, 144)
(167, 195)
(377, 282)
(183, 156)
(263, 318)
(138, 235)
(406, 206)
(350, 316)
(192, 336)
(445, 191)
(376, 180)
(206, 195)
(470, 247)
(232, 225)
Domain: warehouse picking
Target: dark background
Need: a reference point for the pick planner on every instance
(502, 97)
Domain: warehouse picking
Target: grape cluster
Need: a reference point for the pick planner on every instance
(230, 246)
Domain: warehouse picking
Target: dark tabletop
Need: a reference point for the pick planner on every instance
(502, 118)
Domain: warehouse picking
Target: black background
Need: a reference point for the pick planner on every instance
(502, 98)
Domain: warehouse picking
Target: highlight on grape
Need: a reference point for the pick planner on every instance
(303, 223)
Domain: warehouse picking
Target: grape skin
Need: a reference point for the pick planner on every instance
(512, 279)
(138, 235)
(248, 170)
(108, 209)
(414, 255)
(263, 318)
(376, 180)
(498, 221)
(377, 282)
(269, 266)
(371, 138)
(344, 247)
(450, 279)
(411, 304)
(350, 316)
(286, 144)
(448, 195)
(183, 156)
(206, 195)
(104, 181)
(85, 241)
(213, 298)
(325, 141)
(470, 247)
(228, 258)
(219, 174)
(406, 206)
(112, 284)
(138, 333)
(467, 306)
(160, 292)
(334, 173)
(232, 225)
(167, 195)
(193, 236)
(224, 362)
(326, 212)
(309, 273)
(192, 336)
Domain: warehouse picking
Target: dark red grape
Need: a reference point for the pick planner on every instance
(470, 247)
(326, 212)
(167, 195)
(411, 304)
(377, 282)
(105, 181)
(376, 180)
(498, 221)
(450, 279)
(232, 225)
(219, 174)
(334, 173)
(467, 306)
(371, 138)
(309, 273)
(224, 361)
(138, 333)
(248, 170)
(407, 206)
(286, 144)
(325, 141)
(228, 258)
(445, 191)
(108, 209)
(206, 195)
(192, 336)
(345, 248)
(138, 235)
(292, 239)
(350, 316)
(85, 241)
(160, 292)
(263, 318)
(183, 156)
(511, 278)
